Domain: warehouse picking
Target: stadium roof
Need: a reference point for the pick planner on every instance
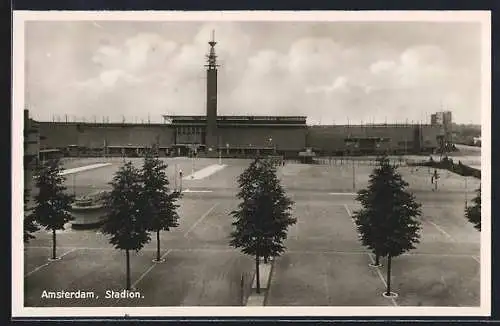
(240, 120)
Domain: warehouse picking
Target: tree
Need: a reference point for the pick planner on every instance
(52, 204)
(126, 224)
(263, 215)
(473, 213)
(387, 222)
(30, 226)
(160, 204)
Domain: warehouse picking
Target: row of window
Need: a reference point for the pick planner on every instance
(189, 130)
(349, 142)
(261, 118)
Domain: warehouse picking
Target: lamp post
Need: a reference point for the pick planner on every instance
(271, 144)
(175, 176)
(180, 180)
(193, 150)
(465, 192)
(356, 145)
(227, 149)
(220, 157)
(353, 175)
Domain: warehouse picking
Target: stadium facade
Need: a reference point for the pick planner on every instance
(236, 136)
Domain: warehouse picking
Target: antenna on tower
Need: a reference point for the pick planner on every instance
(212, 57)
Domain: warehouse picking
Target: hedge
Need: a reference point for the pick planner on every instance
(448, 164)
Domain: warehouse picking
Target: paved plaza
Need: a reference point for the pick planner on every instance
(324, 265)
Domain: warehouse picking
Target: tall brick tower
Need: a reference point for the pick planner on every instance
(211, 129)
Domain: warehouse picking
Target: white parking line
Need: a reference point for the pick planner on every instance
(340, 252)
(150, 269)
(325, 280)
(49, 262)
(342, 193)
(382, 278)
(84, 168)
(446, 234)
(205, 172)
(348, 210)
(196, 191)
(297, 229)
(443, 281)
(291, 251)
(200, 219)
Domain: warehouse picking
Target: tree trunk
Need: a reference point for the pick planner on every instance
(128, 268)
(242, 288)
(257, 273)
(158, 245)
(54, 244)
(388, 292)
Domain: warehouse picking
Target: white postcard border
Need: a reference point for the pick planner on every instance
(20, 17)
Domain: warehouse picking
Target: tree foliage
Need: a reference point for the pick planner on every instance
(387, 222)
(473, 213)
(160, 203)
(30, 226)
(52, 204)
(126, 223)
(264, 213)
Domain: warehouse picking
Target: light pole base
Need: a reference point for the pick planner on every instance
(375, 265)
(159, 261)
(55, 259)
(390, 295)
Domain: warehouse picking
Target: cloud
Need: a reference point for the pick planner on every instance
(153, 70)
(382, 66)
(418, 66)
(107, 79)
(141, 51)
(340, 84)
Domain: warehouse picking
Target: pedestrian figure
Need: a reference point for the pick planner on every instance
(434, 179)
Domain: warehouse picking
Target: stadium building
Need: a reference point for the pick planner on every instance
(236, 136)
(31, 147)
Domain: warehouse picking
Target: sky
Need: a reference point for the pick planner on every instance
(331, 72)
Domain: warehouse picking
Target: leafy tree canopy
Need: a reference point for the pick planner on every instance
(52, 204)
(264, 214)
(387, 222)
(473, 213)
(160, 203)
(30, 226)
(126, 223)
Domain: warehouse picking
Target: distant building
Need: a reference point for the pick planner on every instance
(239, 136)
(31, 149)
(444, 120)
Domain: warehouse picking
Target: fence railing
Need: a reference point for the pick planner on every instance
(357, 162)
